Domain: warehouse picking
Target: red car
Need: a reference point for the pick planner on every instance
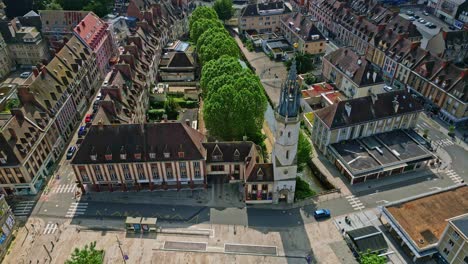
(88, 118)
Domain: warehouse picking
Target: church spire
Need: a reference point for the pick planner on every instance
(290, 97)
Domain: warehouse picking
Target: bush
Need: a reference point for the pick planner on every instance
(156, 104)
(155, 114)
(188, 104)
(303, 190)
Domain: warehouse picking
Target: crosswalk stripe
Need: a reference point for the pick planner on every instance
(351, 196)
(357, 204)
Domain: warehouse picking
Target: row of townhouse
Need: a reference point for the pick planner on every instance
(355, 23)
(52, 101)
(439, 84)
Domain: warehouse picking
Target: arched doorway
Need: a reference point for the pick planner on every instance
(283, 195)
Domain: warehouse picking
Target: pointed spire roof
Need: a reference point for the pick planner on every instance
(290, 97)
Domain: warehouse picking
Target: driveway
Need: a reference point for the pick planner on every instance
(271, 73)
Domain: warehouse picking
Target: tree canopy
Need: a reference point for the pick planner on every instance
(234, 100)
(87, 255)
(304, 150)
(202, 12)
(217, 45)
(372, 258)
(208, 35)
(202, 25)
(304, 63)
(214, 68)
(224, 9)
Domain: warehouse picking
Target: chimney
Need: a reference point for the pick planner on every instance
(348, 108)
(12, 133)
(396, 104)
(415, 45)
(35, 72)
(345, 52)
(17, 113)
(18, 25)
(43, 72)
(12, 30)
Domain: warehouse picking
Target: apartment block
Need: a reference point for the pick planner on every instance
(263, 17)
(300, 29)
(25, 43)
(351, 73)
(58, 25)
(96, 34)
(453, 245)
(371, 137)
(28, 149)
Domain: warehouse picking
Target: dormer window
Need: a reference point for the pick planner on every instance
(217, 155)
(152, 155)
(93, 157)
(123, 154)
(137, 154)
(3, 160)
(181, 154)
(260, 175)
(167, 155)
(236, 155)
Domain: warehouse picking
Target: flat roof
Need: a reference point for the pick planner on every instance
(377, 152)
(368, 238)
(424, 219)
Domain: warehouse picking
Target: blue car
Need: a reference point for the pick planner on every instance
(82, 131)
(322, 213)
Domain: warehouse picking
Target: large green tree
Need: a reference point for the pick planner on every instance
(224, 9)
(87, 255)
(218, 45)
(304, 63)
(224, 65)
(304, 150)
(235, 106)
(201, 25)
(202, 12)
(208, 35)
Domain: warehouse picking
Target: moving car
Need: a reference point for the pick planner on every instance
(322, 213)
(82, 131)
(70, 152)
(88, 118)
(25, 75)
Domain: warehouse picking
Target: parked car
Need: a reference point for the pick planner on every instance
(452, 28)
(88, 118)
(71, 152)
(432, 26)
(322, 213)
(411, 18)
(99, 96)
(425, 13)
(410, 13)
(82, 131)
(417, 17)
(422, 21)
(427, 24)
(25, 75)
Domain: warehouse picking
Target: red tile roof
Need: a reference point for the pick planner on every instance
(91, 29)
(317, 90)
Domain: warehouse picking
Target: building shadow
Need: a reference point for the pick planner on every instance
(290, 226)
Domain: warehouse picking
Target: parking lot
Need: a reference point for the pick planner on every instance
(426, 32)
(16, 78)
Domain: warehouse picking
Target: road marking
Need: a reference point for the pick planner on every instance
(454, 176)
(23, 208)
(50, 228)
(355, 203)
(382, 201)
(76, 209)
(64, 188)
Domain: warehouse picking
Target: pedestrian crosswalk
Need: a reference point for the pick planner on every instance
(443, 142)
(50, 228)
(64, 188)
(76, 209)
(23, 208)
(454, 176)
(355, 202)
